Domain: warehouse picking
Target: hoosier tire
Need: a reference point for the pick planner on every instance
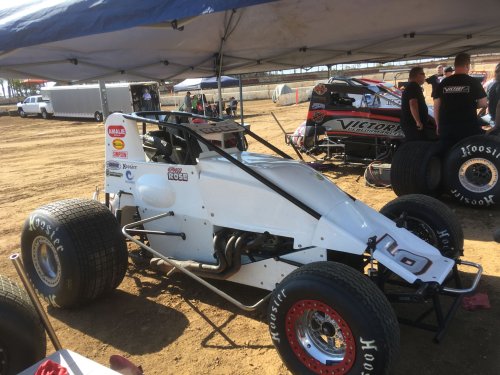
(327, 318)
(472, 171)
(73, 251)
(22, 336)
(429, 219)
(416, 169)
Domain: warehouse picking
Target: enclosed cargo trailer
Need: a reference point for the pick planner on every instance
(84, 101)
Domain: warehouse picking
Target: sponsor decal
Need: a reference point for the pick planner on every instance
(113, 165)
(456, 89)
(176, 174)
(360, 126)
(320, 89)
(129, 177)
(219, 129)
(120, 154)
(113, 174)
(317, 106)
(318, 116)
(118, 144)
(129, 166)
(117, 131)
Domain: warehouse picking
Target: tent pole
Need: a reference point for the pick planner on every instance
(219, 88)
(241, 100)
(104, 100)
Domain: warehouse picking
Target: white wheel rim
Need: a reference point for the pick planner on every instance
(46, 261)
(478, 175)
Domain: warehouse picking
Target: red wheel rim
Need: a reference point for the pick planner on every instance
(320, 338)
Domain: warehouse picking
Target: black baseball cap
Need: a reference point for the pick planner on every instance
(449, 69)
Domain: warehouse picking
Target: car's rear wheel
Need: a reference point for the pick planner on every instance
(73, 251)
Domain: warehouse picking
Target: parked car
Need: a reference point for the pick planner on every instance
(35, 105)
(349, 120)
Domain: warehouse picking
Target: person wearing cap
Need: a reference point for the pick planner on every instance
(188, 102)
(434, 79)
(493, 98)
(448, 71)
(414, 112)
(457, 99)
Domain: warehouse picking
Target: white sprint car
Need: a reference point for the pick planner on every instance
(187, 191)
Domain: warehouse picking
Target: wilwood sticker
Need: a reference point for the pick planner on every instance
(113, 165)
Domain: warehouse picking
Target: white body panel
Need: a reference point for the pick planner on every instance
(215, 193)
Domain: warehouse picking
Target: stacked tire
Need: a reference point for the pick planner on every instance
(416, 169)
(468, 172)
(471, 171)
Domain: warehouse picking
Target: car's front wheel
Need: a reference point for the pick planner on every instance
(327, 318)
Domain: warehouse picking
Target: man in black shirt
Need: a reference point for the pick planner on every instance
(434, 80)
(457, 99)
(414, 114)
(494, 95)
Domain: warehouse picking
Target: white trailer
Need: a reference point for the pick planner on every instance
(84, 101)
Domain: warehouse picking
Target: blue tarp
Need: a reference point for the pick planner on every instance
(30, 22)
(116, 40)
(206, 83)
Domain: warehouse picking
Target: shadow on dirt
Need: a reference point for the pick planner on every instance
(194, 294)
(124, 321)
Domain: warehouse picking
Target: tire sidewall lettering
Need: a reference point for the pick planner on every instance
(50, 232)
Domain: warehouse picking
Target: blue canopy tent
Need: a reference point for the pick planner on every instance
(83, 40)
(191, 84)
(206, 83)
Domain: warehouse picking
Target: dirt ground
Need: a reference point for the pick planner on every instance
(176, 326)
